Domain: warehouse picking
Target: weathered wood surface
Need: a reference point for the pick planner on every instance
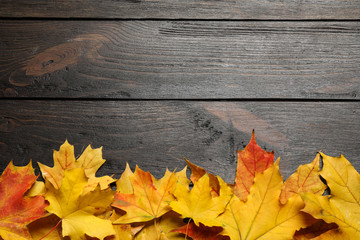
(180, 59)
(158, 134)
(189, 9)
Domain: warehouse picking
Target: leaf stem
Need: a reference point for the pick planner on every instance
(51, 230)
(156, 228)
(187, 228)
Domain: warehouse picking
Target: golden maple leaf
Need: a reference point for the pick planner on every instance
(90, 160)
(262, 216)
(77, 209)
(199, 204)
(343, 205)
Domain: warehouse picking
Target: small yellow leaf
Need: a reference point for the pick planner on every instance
(198, 203)
(37, 189)
(123, 185)
(64, 159)
(79, 223)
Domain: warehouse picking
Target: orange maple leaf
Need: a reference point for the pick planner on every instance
(16, 211)
(150, 197)
(252, 159)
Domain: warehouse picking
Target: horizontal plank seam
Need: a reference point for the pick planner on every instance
(174, 19)
(181, 99)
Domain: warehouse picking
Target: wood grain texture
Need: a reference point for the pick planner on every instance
(158, 134)
(180, 59)
(180, 9)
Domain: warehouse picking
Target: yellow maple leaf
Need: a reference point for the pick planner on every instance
(199, 204)
(262, 216)
(123, 185)
(343, 205)
(90, 160)
(76, 209)
(162, 229)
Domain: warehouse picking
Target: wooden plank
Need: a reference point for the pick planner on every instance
(179, 9)
(177, 59)
(158, 134)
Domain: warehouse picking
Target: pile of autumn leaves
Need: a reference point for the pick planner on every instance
(74, 203)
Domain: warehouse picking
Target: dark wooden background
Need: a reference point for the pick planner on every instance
(155, 81)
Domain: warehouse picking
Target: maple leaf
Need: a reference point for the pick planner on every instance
(201, 232)
(305, 179)
(76, 209)
(162, 228)
(343, 205)
(252, 159)
(16, 211)
(262, 216)
(149, 198)
(198, 204)
(197, 172)
(90, 160)
(123, 185)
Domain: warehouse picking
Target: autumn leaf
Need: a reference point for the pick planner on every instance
(305, 179)
(197, 172)
(162, 228)
(262, 216)
(343, 205)
(150, 197)
(198, 204)
(252, 159)
(123, 185)
(77, 210)
(201, 232)
(16, 211)
(90, 160)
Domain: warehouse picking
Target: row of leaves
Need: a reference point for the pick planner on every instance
(74, 203)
